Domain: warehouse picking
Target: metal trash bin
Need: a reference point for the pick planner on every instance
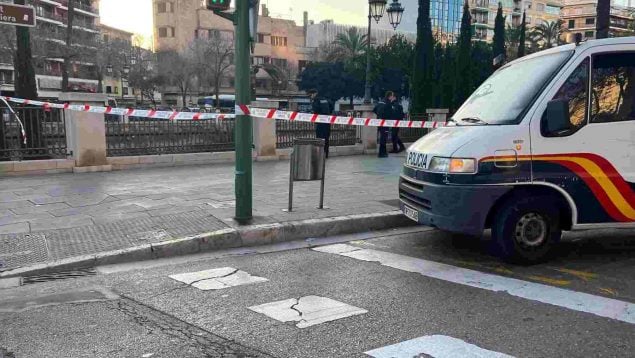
(308, 163)
(308, 159)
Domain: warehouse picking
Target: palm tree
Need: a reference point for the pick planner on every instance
(548, 33)
(351, 43)
(512, 38)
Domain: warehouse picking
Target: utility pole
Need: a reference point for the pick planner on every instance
(244, 123)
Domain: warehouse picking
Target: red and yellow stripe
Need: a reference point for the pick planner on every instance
(612, 191)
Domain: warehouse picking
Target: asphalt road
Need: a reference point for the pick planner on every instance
(398, 294)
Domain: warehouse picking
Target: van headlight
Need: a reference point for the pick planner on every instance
(453, 165)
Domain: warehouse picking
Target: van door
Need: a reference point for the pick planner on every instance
(593, 159)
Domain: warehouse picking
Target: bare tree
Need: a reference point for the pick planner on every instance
(144, 75)
(68, 53)
(213, 60)
(178, 71)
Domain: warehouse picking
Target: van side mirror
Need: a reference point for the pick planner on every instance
(555, 120)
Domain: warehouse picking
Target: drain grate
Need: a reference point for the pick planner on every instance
(22, 250)
(57, 276)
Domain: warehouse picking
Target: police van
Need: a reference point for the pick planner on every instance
(545, 145)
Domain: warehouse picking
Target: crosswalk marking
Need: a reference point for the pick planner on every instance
(308, 310)
(436, 347)
(578, 301)
(217, 279)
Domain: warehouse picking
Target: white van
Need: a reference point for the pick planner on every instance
(546, 144)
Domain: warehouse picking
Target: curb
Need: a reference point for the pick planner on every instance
(247, 236)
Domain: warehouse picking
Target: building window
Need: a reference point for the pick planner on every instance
(571, 24)
(126, 91)
(261, 38)
(613, 79)
(590, 21)
(280, 62)
(164, 7)
(108, 89)
(575, 92)
(166, 31)
(279, 41)
(540, 7)
(116, 90)
(588, 34)
(213, 34)
(302, 64)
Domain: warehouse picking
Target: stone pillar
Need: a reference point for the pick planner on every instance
(369, 134)
(437, 114)
(265, 139)
(85, 131)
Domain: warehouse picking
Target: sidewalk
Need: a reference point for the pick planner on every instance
(49, 218)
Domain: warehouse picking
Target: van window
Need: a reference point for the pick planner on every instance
(575, 90)
(509, 91)
(613, 83)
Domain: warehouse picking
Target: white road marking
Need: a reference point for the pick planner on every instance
(217, 279)
(577, 301)
(308, 310)
(435, 346)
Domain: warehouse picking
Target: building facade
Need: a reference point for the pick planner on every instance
(48, 38)
(537, 12)
(580, 17)
(327, 31)
(280, 44)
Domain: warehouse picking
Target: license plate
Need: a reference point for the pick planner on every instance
(411, 213)
(417, 160)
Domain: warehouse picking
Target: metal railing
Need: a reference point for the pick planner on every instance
(45, 130)
(152, 137)
(287, 132)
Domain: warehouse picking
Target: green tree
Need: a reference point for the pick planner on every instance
(463, 62)
(350, 44)
(445, 87)
(422, 93)
(603, 20)
(548, 33)
(522, 37)
(332, 80)
(392, 66)
(499, 35)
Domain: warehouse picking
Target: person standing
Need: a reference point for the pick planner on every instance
(384, 110)
(323, 107)
(398, 114)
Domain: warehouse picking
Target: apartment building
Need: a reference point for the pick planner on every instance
(580, 17)
(50, 33)
(327, 31)
(537, 12)
(279, 43)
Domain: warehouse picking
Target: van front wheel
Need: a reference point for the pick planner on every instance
(525, 230)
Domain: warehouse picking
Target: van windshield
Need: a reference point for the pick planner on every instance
(505, 95)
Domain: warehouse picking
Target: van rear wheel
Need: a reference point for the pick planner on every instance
(525, 230)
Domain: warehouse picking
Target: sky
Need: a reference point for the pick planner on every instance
(137, 16)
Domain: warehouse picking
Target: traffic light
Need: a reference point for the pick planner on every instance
(218, 4)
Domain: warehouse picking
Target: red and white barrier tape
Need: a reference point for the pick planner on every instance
(351, 121)
(240, 110)
(168, 115)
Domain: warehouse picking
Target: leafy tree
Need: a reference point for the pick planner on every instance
(445, 87)
(392, 66)
(332, 81)
(463, 62)
(548, 33)
(422, 95)
(499, 34)
(522, 37)
(603, 20)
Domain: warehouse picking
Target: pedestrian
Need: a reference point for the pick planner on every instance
(321, 106)
(384, 110)
(398, 114)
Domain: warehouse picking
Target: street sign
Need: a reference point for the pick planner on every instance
(218, 4)
(17, 15)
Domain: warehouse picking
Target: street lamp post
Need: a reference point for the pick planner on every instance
(376, 11)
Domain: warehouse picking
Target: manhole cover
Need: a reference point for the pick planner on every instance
(22, 250)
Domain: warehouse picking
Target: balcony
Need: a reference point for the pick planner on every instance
(481, 5)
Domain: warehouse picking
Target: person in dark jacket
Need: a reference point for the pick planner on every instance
(321, 106)
(398, 114)
(384, 110)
